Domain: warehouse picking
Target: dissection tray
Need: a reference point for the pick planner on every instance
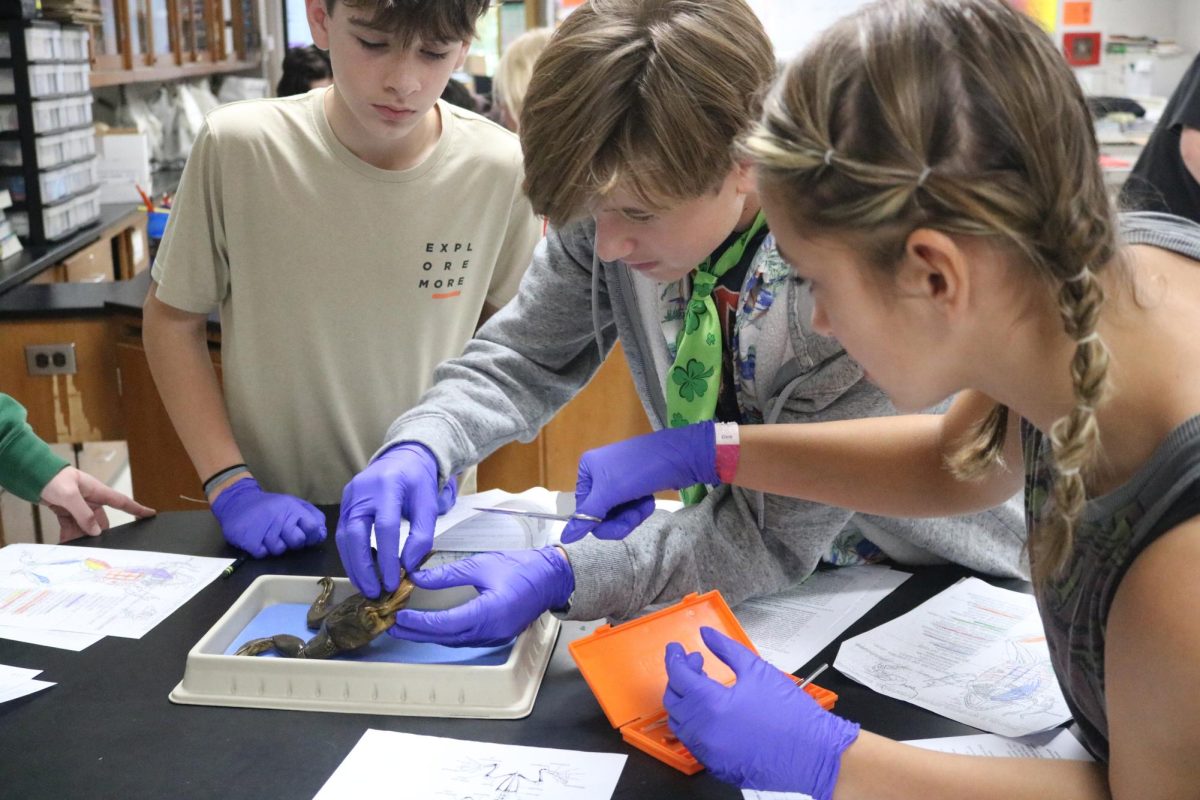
(400, 678)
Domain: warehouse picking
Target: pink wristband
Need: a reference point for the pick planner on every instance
(728, 450)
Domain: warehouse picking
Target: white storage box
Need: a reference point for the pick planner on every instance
(62, 219)
(124, 160)
(501, 691)
(74, 44)
(53, 115)
(46, 43)
(52, 150)
(58, 183)
(43, 43)
(73, 78)
(45, 79)
(55, 184)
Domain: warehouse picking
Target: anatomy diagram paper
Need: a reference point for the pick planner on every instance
(974, 653)
(437, 768)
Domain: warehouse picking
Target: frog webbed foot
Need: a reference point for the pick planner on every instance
(322, 605)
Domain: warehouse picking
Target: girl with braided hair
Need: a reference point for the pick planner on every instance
(929, 169)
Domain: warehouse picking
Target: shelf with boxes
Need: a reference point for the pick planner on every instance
(47, 146)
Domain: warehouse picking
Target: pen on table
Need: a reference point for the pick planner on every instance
(237, 562)
(813, 676)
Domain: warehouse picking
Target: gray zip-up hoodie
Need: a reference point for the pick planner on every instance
(537, 352)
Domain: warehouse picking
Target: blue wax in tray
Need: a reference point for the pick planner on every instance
(291, 617)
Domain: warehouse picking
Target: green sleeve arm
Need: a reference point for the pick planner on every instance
(26, 462)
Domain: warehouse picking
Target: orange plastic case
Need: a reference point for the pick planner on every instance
(625, 668)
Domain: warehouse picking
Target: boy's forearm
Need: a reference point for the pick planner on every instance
(177, 350)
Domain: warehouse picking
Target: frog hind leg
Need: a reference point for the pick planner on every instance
(285, 644)
(320, 646)
(321, 606)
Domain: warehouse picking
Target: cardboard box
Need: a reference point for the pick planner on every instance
(123, 159)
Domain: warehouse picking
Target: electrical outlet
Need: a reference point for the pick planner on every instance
(50, 359)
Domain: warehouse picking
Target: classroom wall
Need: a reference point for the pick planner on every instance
(1189, 25)
(791, 24)
(1161, 19)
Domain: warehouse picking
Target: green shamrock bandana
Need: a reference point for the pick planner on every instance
(694, 380)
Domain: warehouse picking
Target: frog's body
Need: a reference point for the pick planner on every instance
(351, 624)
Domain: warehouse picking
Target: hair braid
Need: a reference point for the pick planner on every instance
(1087, 241)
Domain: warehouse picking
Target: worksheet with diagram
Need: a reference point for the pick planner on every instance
(96, 590)
(437, 768)
(974, 653)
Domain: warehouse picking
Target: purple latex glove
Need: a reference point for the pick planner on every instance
(263, 523)
(617, 482)
(402, 483)
(764, 732)
(448, 496)
(515, 587)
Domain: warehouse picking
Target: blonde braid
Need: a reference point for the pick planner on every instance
(1075, 438)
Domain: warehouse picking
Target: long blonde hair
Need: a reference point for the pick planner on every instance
(654, 95)
(516, 68)
(959, 116)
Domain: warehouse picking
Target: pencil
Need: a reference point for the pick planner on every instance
(237, 562)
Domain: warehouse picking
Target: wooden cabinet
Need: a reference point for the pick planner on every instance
(163, 475)
(131, 249)
(92, 264)
(607, 410)
(121, 253)
(157, 40)
(65, 408)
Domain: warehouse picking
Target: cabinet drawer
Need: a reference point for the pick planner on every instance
(92, 264)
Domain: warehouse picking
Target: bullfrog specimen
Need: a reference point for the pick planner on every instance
(351, 624)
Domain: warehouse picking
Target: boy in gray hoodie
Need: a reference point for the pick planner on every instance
(630, 129)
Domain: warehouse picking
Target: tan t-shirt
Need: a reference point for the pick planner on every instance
(340, 285)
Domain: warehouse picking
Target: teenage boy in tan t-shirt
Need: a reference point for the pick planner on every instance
(350, 237)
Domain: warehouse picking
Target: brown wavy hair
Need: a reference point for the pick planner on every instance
(654, 95)
(423, 20)
(960, 116)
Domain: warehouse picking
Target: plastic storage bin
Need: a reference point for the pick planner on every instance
(54, 115)
(52, 150)
(74, 44)
(45, 79)
(58, 183)
(63, 219)
(74, 78)
(502, 691)
(43, 43)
